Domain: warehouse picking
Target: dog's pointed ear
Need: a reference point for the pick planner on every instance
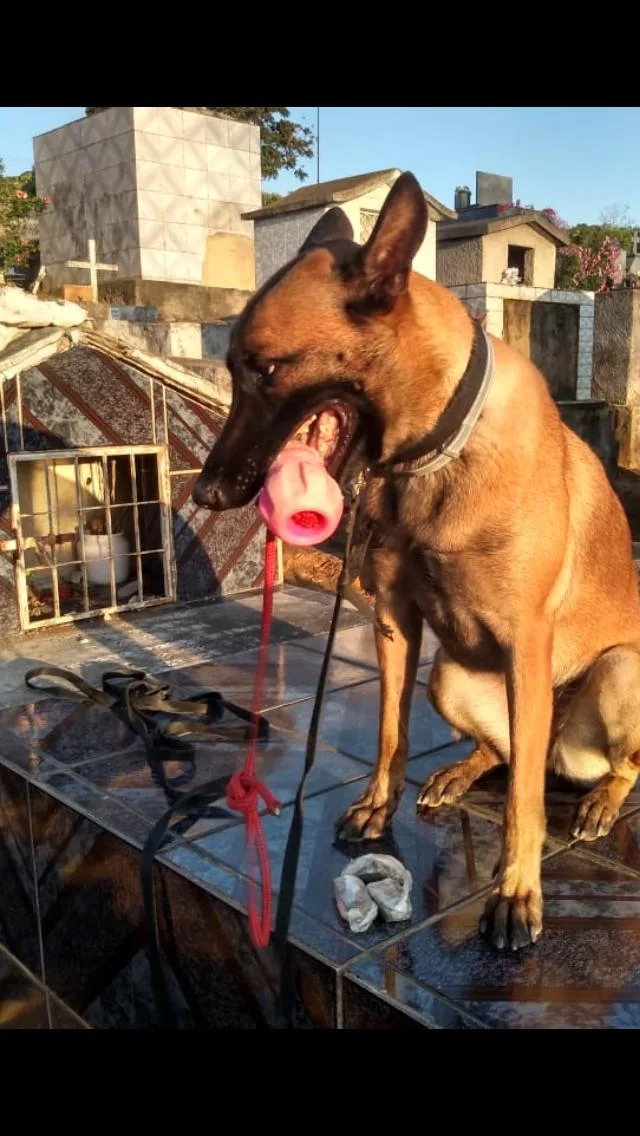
(400, 230)
(332, 226)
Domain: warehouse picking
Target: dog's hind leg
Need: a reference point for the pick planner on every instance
(446, 786)
(475, 704)
(398, 661)
(600, 738)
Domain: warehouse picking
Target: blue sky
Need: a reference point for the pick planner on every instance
(579, 160)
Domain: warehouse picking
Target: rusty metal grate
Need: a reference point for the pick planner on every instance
(92, 532)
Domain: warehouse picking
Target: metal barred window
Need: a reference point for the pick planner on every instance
(92, 531)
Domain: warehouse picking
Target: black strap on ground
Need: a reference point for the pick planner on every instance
(164, 724)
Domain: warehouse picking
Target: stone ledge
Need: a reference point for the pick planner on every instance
(175, 303)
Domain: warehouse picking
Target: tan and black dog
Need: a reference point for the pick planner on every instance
(516, 553)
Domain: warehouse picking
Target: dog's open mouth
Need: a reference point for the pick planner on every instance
(328, 431)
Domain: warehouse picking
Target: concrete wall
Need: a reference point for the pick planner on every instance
(495, 255)
(549, 334)
(278, 238)
(151, 184)
(595, 422)
(616, 375)
(616, 357)
(230, 262)
(459, 262)
(487, 300)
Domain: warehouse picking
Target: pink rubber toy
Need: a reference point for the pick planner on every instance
(300, 502)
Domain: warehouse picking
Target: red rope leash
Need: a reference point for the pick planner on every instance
(245, 790)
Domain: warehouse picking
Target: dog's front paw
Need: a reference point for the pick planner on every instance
(368, 817)
(511, 922)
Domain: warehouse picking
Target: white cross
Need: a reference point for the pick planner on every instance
(94, 267)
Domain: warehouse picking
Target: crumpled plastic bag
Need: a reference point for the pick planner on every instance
(354, 903)
(370, 886)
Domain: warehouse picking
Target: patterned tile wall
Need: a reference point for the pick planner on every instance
(83, 398)
(150, 184)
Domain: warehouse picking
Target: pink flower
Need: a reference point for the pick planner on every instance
(46, 199)
(20, 193)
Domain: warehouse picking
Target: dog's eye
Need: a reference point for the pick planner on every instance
(262, 369)
(265, 372)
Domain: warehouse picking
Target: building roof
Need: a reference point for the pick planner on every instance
(465, 228)
(339, 191)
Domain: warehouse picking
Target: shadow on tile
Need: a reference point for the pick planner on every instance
(128, 779)
(94, 939)
(67, 730)
(378, 988)
(350, 721)
(292, 674)
(226, 982)
(357, 645)
(583, 974)
(620, 847)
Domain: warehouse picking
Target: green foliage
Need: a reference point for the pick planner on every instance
(271, 198)
(592, 236)
(18, 205)
(284, 144)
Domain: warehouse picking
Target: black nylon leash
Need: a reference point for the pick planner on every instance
(355, 551)
(145, 705)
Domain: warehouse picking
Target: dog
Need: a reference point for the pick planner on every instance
(514, 550)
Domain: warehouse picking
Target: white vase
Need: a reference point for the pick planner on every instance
(96, 552)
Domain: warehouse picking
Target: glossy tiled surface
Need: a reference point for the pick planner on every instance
(350, 721)
(583, 973)
(450, 856)
(77, 802)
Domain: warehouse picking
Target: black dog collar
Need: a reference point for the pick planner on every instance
(454, 427)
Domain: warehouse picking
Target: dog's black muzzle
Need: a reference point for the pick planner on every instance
(258, 428)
